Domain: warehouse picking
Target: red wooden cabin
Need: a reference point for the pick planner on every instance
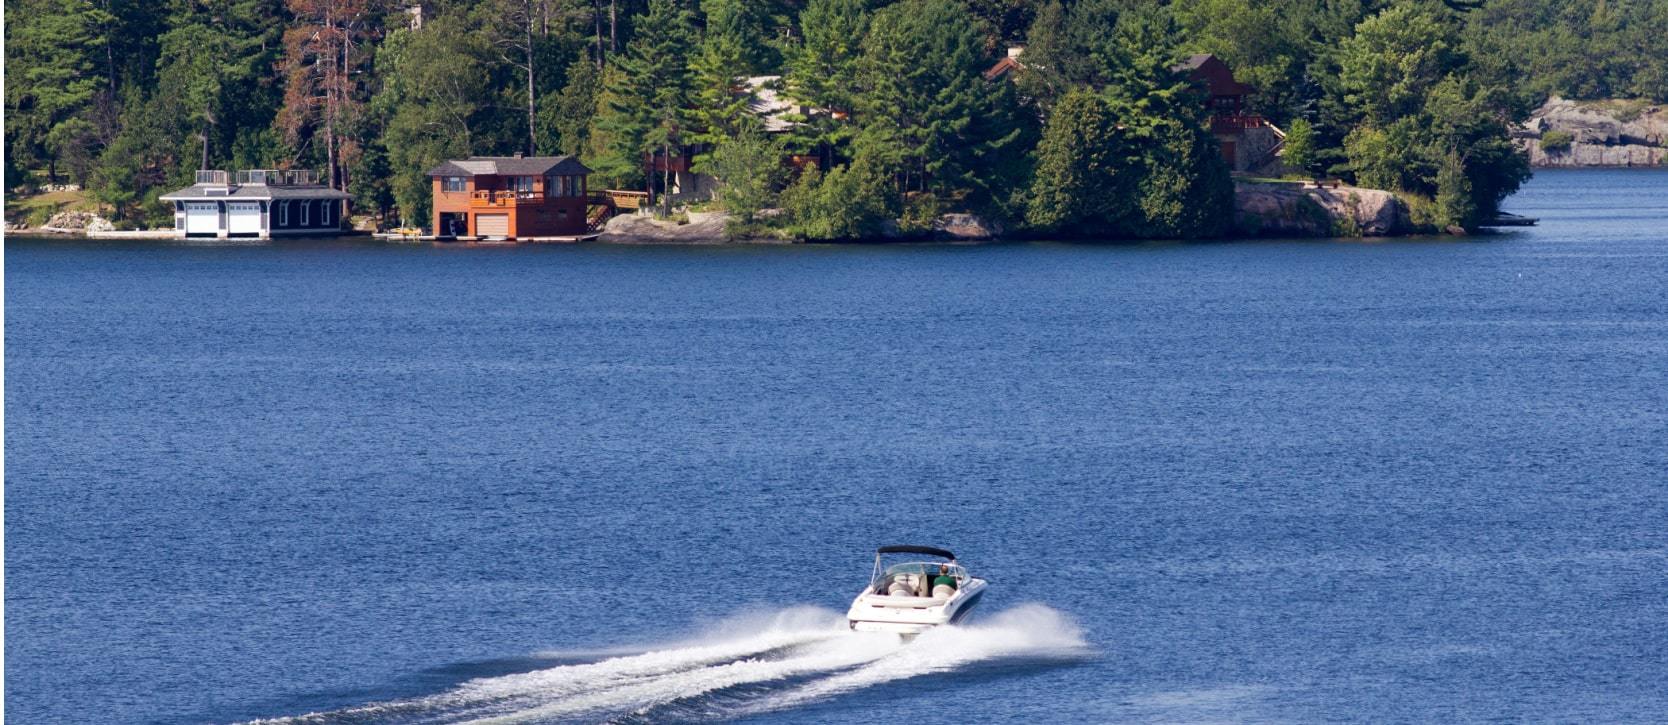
(510, 197)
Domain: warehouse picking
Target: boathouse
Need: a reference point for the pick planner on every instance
(256, 203)
(510, 197)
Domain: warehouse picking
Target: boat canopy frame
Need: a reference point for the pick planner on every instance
(923, 550)
(959, 571)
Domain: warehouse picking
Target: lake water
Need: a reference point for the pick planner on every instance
(1412, 480)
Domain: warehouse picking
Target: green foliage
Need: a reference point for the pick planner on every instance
(568, 115)
(928, 118)
(744, 25)
(1394, 59)
(1415, 96)
(1419, 114)
(849, 202)
(1300, 148)
(55, 70)
(647, 109)
(719, 110)
(749, 169)
(432, 99)
(1085, 174)
(1556, 141)
(823, 71)
(1455, 204)
(1590, 49)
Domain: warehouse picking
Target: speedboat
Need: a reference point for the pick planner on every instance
(911, 597)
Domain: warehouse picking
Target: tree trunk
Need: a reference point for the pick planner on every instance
(532, 133)
(666, 180)
(205, 151)
(596, 20)
(613, 26)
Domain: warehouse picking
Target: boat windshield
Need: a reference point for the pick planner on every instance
(924, 570)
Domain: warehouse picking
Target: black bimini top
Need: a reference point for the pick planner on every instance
(927, 550)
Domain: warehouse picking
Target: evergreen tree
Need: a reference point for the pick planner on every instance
(928, 117)
(745, 25)
(648, 109)
(823, 73)
(55, 68)
(1086, 173)
(569, 114)
(719, 111)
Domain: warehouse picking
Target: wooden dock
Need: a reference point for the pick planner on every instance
(430, 238)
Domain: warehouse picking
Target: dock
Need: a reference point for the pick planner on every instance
(422, 238)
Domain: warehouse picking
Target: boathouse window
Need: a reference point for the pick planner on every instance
(304, 210)
(523, 183)
(452, 183)
(283, 213)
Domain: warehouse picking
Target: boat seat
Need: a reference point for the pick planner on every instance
(904, 585)
(943, 591)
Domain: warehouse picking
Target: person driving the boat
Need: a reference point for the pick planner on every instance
(944, 579)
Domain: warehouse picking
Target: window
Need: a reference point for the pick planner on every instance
(452, 183)
(283, 213)
(305, 206)
(523, 183)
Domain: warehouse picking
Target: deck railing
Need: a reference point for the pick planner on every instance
(621, 199)
(211, 177)
(498, 197)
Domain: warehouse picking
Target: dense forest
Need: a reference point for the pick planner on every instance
(1098, 136)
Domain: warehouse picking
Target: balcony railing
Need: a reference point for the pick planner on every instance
(1237, 122)
(258, 177)
(495, 197)
(279, 177)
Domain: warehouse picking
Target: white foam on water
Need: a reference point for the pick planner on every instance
(773, 661)
(1027, 632)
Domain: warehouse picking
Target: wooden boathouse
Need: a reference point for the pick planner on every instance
(511, 197)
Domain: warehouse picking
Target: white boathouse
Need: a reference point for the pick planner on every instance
(256, 203)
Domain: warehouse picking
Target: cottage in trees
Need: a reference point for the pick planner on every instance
(510, 197)
(1248, 141)
(256, 203)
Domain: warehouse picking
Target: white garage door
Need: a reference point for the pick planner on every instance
(243, 217)
(492, 225)
(201, 218)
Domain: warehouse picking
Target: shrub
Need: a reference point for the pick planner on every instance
(849, 202)
(1556, 141)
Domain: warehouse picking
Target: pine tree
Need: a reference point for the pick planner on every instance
(823, 73)
(720, 100)
(927, 115)
(1085, 172)
(56, 66)
(647, 110)
(569, 114)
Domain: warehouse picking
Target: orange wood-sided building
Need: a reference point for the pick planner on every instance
(510, 197)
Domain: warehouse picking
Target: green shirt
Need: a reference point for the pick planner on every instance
(944, 579)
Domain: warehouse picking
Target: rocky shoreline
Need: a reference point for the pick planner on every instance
(1586, 134)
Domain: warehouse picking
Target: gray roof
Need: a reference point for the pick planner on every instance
(764, 101)
(1193, 61)
(255, 192)
(511, 166)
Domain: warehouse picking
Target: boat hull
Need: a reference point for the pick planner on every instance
(912, 615)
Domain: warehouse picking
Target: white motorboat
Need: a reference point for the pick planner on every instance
(911, 597)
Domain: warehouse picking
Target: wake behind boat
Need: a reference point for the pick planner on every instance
(912, 597)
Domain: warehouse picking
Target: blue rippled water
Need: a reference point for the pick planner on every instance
(1411, 480)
